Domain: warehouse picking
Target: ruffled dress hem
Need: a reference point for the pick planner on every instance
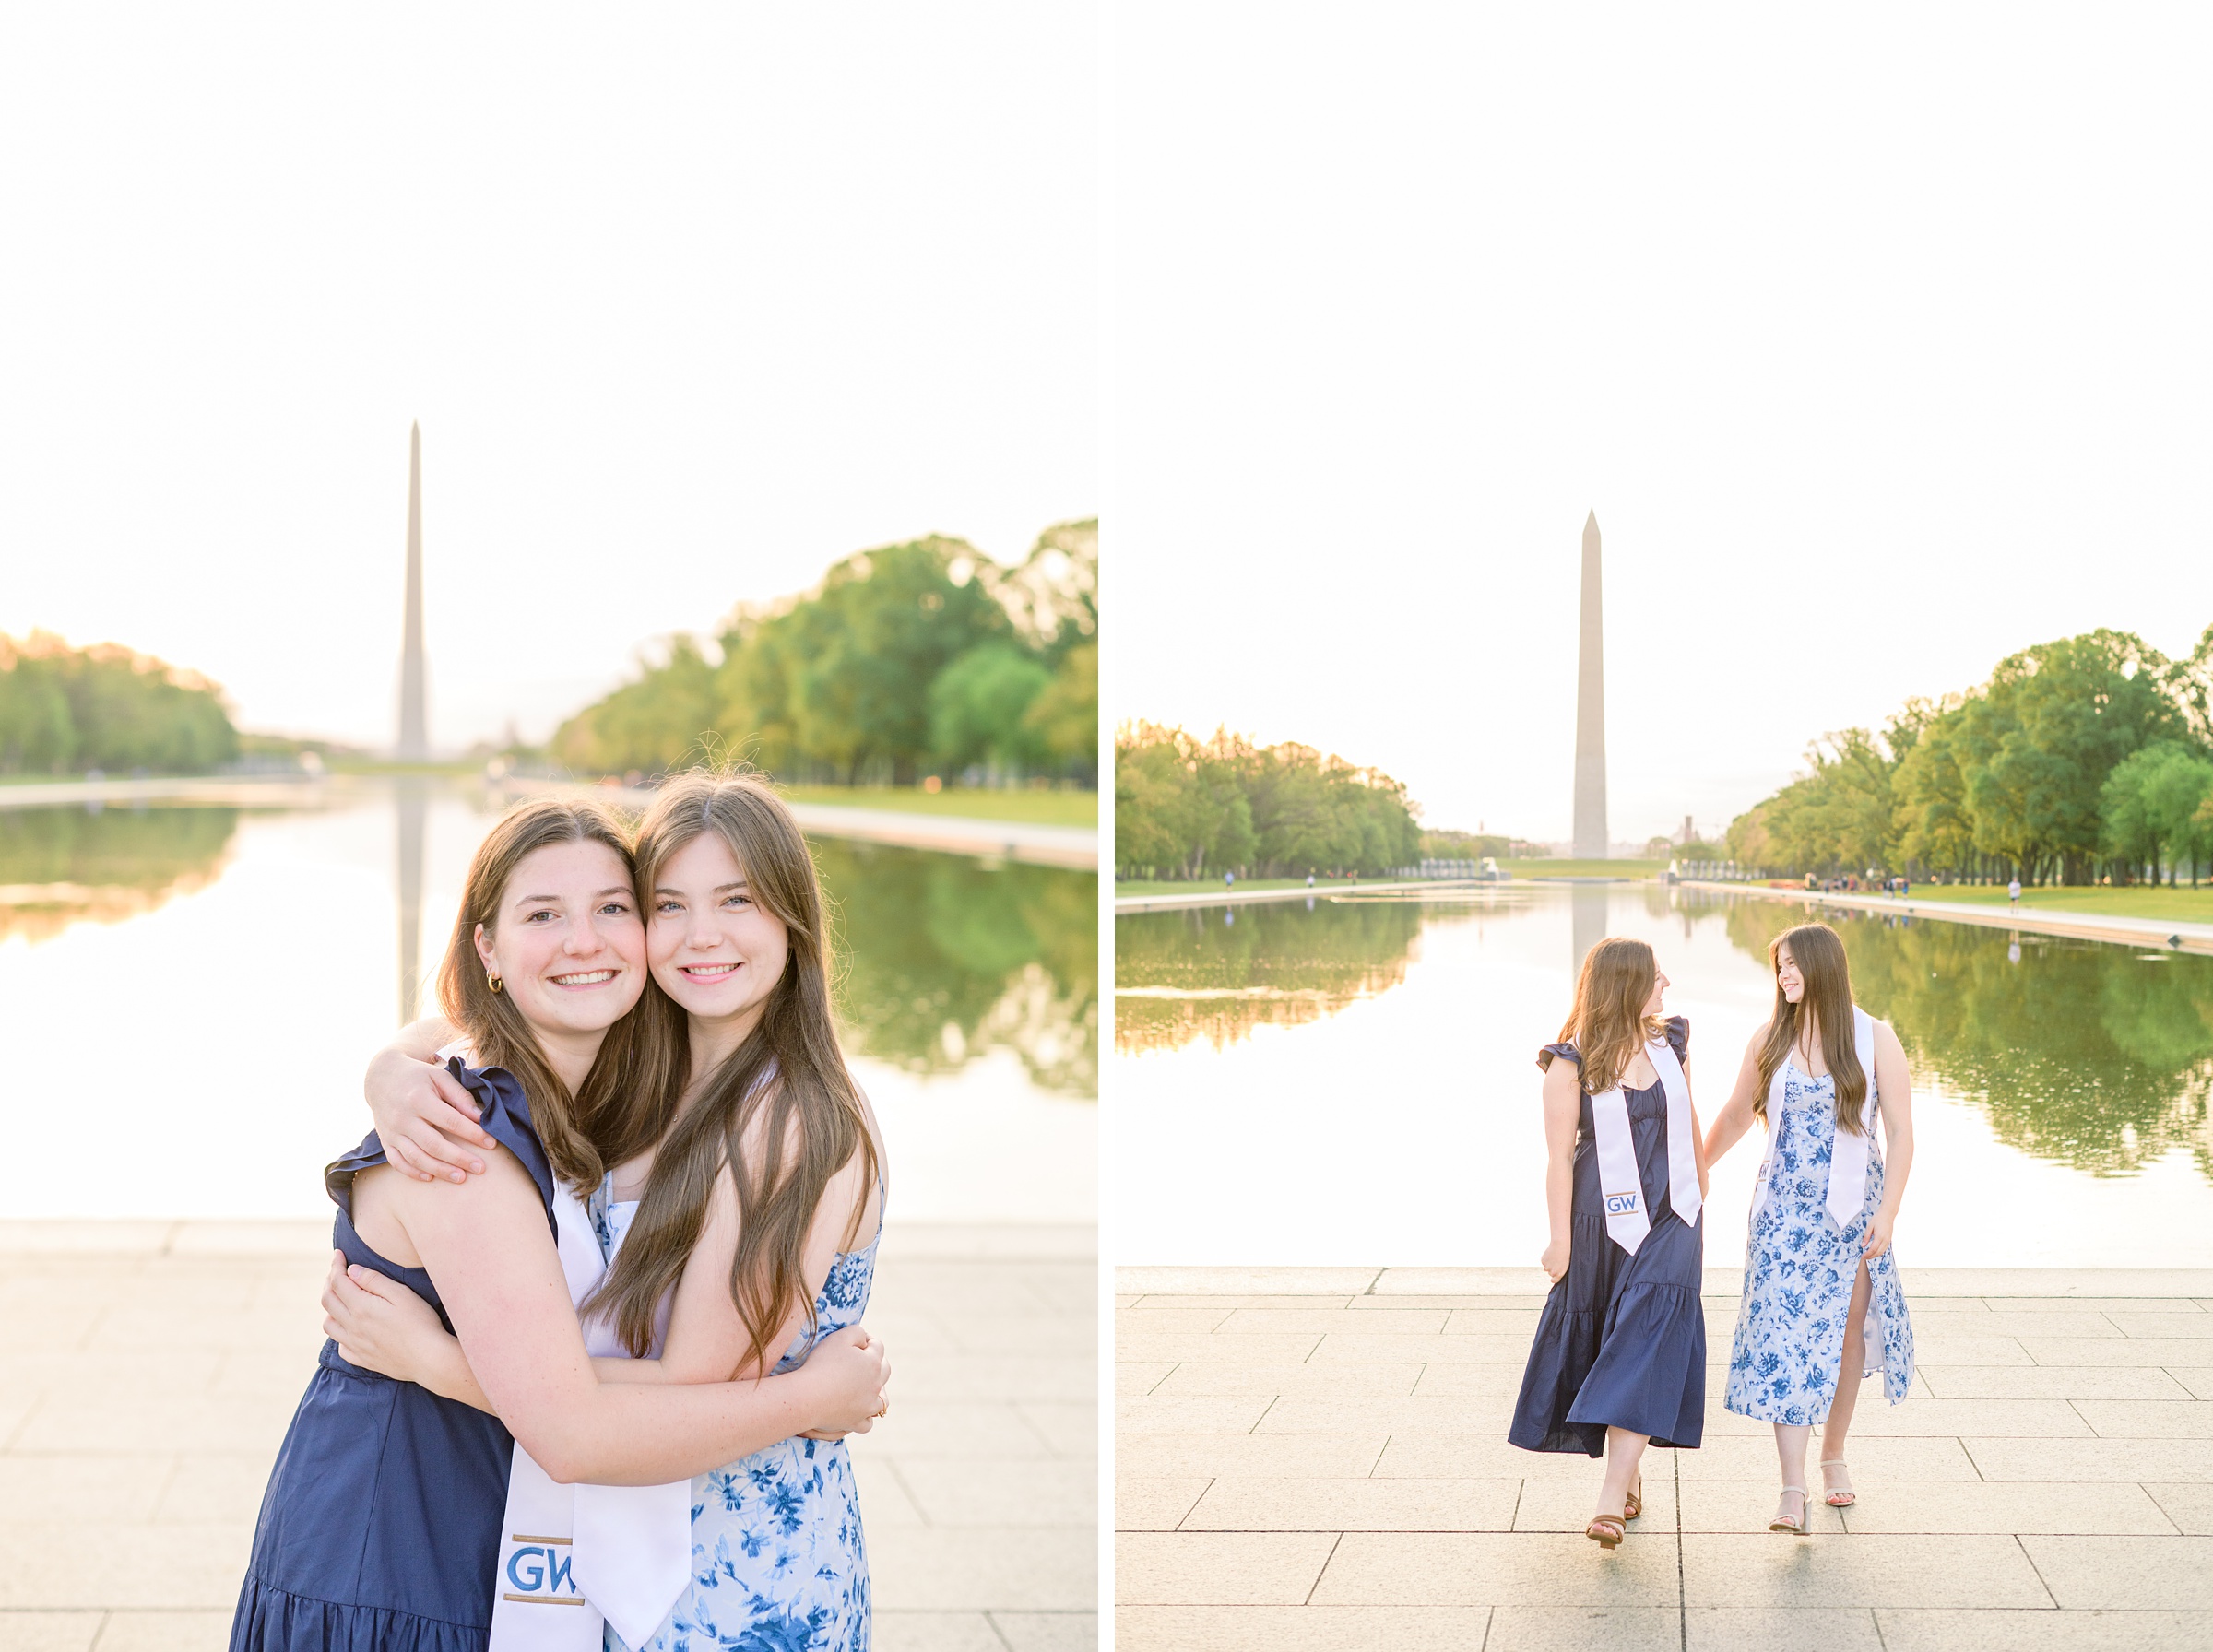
(1638, 1363)
(273, 1620)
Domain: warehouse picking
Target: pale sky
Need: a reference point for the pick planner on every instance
(690, 302)
(1877, 341)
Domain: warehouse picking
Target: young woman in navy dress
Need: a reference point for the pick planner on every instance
(381, 1518)
(1620, 1360)
(745, 1224)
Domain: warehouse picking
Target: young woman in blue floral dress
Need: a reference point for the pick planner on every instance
(547, 962)
(746, 1235)
(1823, 1306)
(1618, 1361)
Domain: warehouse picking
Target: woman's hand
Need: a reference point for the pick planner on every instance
(1555, 1260)
(1878, 1235)
(425, 1117)
(381, 1325)
(848, 1371)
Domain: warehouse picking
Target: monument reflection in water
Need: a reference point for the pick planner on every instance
(188, 995)
(1356, 1083)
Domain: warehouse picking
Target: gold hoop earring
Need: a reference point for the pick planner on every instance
(491, 981)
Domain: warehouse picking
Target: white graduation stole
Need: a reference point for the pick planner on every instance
(572, 1557)
(1619, 1183)
(1848, 1157)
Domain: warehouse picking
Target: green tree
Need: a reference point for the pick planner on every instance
(2150, 805)
(1185, 807)
(1187, 811)
(1934, 827)
(1065, 716)
(2052, 724)
(64, 709)
(2010, 774)
(658, 723)
(903, 653)
(979, 708)
(886, 623)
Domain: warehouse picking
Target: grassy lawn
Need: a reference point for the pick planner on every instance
(1033, 808)
(2182, 905)
(1214, 886)
(1583, 868)
(1517, 868)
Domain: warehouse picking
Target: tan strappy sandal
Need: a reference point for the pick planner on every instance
(1605, 1531)
(1633, 1506)
(1795, 1528)
(1835, 1495)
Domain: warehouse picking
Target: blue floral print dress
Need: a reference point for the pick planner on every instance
(1799, 1271)
(778, 1561)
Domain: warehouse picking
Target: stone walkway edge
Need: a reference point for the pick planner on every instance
(1314, 1459)
(152, 1366)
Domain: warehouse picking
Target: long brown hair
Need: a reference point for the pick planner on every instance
(1818, 951)
(1608, 1025)
(781, 1111)
(610, 1109)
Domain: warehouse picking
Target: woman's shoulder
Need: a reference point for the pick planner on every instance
(505, 1114)
(1678, 1035)
(1564, 1050)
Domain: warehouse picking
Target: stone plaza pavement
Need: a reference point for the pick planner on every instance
(149, 1370)
(1315, 1460)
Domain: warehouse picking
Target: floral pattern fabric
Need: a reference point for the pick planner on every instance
(777, 1560)
(1799, 1271)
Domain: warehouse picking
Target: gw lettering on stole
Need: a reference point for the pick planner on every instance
(541, 1568)
(1624, 1204)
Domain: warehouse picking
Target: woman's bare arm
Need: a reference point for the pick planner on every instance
(486, 1244)
(425, 1117)
(1563, 1122)
(1894, 1097)
(1735, 1116)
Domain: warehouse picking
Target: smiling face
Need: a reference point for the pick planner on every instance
(1656, 1005)
(568, 944)
(1787, 978)
(715, 948)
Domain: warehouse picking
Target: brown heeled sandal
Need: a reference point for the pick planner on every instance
(1797, 1528)
(1605, 1531)
(1634, 1505)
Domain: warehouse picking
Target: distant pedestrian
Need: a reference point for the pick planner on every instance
(2013, 896)
(1309, 880)
(1619, 1358)
(1229, 880)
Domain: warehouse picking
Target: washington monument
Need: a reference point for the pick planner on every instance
(1590, 711)
(414, 733)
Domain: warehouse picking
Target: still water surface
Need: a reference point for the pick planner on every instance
(1356, 1083)
(187, 997)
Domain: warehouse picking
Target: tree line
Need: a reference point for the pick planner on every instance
(2086, 1058)
(65, 709)
(907, 660)
(2080, 761)
(1185, 808)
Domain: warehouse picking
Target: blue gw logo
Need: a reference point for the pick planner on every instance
(1624, 1204)
(541, 1571)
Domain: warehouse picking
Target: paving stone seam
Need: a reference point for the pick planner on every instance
(1682, 1590)
(2041, 1581)
(1323, 1571)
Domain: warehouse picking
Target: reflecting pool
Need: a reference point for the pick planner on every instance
(1353, 1081)
(187, 996)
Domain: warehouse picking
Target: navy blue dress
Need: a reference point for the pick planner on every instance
(1622, 1340)
(380, 1530)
